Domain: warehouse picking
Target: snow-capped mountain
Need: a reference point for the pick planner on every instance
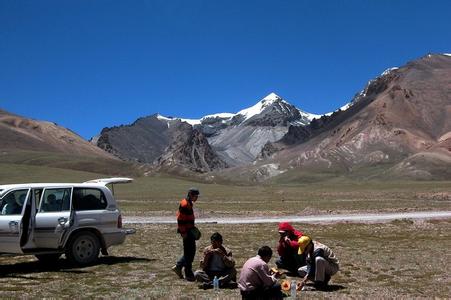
(236, 138)
(271, 104)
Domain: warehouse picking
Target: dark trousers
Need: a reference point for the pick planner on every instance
(189, 250)
(269, 293)
(291, 263)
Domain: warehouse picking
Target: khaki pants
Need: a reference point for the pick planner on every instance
(322, 268)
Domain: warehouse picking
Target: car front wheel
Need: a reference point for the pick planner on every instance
(83, 248)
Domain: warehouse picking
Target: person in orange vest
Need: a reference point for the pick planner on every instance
(189, 234)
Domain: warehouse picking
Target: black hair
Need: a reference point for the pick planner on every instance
(265, 251)
(216, 237)
(193, 192)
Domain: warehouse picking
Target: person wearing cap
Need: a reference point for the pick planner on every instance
(189, 234)
(288, 247)
(321, 262)
(217, 261)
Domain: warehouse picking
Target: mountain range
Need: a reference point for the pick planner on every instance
(399, 125)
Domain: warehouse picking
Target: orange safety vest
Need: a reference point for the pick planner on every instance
(185, 216)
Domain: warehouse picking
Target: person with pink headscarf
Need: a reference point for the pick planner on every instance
(288, 248)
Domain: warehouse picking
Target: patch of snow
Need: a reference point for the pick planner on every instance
(163, 118)
(224, 117)
(346, 106)
(272, 97)
(192, 122)
(389, 70)
(259, 107)
(220, 115)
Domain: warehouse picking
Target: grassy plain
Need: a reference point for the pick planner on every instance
(401, 259)
(398, 259)
(155, 196)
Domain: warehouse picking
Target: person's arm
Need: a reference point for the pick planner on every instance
(293, 245)
(265, 276)
(281, 247)
(227, 257)
(304, 280)
(206, 259)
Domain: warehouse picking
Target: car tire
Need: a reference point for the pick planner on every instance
(48, 259)
(83, 248)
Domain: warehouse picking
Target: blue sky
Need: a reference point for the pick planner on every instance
(89, 64)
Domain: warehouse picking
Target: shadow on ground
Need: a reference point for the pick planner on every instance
(62, 265)
(333, 288)
(328, 288)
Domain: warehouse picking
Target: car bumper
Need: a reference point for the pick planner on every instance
(129, 231)
(117, 238)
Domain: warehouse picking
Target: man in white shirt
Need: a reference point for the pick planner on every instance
(256, 280)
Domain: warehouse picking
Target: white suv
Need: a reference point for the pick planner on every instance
(49, 219)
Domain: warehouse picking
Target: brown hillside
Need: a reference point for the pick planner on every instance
(19, 133)
(399, 125)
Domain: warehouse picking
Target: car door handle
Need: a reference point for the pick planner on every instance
(14, 226)
(62, 220)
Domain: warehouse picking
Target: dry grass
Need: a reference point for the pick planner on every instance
(154, 196)
(399, 259)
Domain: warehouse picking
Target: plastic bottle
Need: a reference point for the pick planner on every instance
(293, 289)
(216, 283)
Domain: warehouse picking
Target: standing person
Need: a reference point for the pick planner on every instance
(321, 263)
(256, 280)
(217, 261)
(288, 249)
(185, 226)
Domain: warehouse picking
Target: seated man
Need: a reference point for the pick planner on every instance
(321, 263)
(288, 249)
(217, 261)
(256, 280)
(50, 204)
(11, 207)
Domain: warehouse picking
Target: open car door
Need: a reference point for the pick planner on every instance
(15, 220)
(54, 218)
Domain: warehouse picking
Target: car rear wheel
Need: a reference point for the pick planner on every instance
(83, 248)
(48, 258)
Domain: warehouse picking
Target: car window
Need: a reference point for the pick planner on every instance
(89, 199)
(12, 203)
(55, 200)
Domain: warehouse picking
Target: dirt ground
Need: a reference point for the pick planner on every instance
(399, 259)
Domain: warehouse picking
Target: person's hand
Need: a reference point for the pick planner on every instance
(275, 272)
(220, 252)
(287, 239)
